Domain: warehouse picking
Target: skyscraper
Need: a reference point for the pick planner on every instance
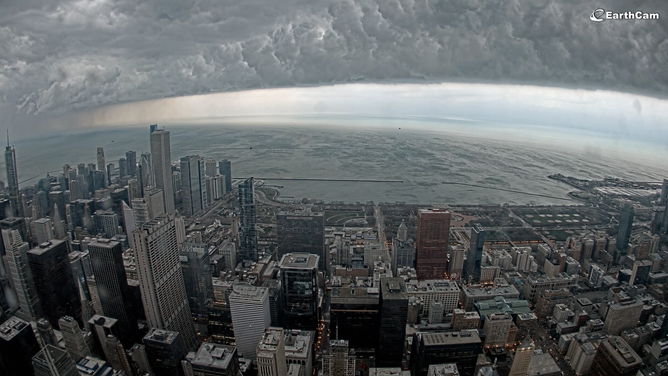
(12, 180)
(247, 230)
(432, 243)
(106, 257)
(522, 358)
(270, 353)
(625, 227)
(41, 230)
(106, 222)
(165, 350)
(301, 232)
(56, 362)
(393, 318)
(146, 170)
(18, 345)
(76, 342)
(615, 357)
(251, 314)
(197, 276)
(211, 169)
(193, 185)
(299, 273)
(162, 167)
(472, 265)
(16, 261)
(54, 282)
(159, 270)
(101, 164)
(225, 169)
(131, 160)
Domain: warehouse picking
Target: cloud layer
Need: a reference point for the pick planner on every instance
(67, 55)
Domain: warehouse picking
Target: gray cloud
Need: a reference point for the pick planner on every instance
(67, 55)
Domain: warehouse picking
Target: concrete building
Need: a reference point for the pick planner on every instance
(251, 315)
(497, 330)
(615, 358)
(461, 348)
(18, 271)
(462, 320)
(18, 345)
(164, 351)
(522, 359)
(299, 349)
(299, 281)
(193, 185)
(548, 299)
(393, 319)
(473, 265)
(338, 359)
(247, 226)
(212, 359)
(77, 342)
(270, 353)
(41, 230)
(162, 167)
(470, 295)
(449, 369)
(302, 232)
(534, 284)
(57, 362)
(443, 291)
(622, 315)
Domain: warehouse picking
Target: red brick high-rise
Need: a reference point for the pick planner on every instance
(433, 231)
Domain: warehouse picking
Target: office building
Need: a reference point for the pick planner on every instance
(212, 359)
(622, 315)
(472, 265)
(225, 169)
(443, 291)
(470, 295)
(162, 167)
(624, 233)
(548, 299)
(131, 160)
(301, 232)
(338, 359)
(41, 230)
(138, 359)
(615, 358)
(432, 243)
(18, 345)
(122, 168)
(146, 168)
(461, 348)
(270, 353)
(355, 316)
(193, 185)
(77, 342)
(13, 181)
(106, 223)
(251, 315)
(55, 363)
(299, 281)
(534, 284)
(18, 270)
(165, 350)
(403, 250)
(522, 359)
(54, 282)
(106, 257)
(247, 214)
(456, 262)
(101, 164)
(162, 286)
(393, 319)
(299, 348)
(462, 320)
(497, 329)
(196, 268)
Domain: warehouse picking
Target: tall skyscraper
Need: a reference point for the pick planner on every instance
(251, 315)
(76, 342)
(122, 168)
(212, 359)
(299, 281)
(472, 265)
(52, 361)
(225, 169)
(624, 233)
(432, 243)
(301, 232)
(196, 268)
(106, 257)
(106, 222)
(146, 170)
(162, 167)
(54, 282)
(159, 270)
(193, 185)
(131, 160)
(13, 180)
(18, 267)
(41, 230)
(247, 230)
(18, 345)
(393, 318)
(101, 164)
(165, 350)
(211, 168)
(663, 199)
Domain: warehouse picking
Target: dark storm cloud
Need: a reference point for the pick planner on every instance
(67, 55)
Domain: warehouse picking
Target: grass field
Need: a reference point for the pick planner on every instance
(338, 218)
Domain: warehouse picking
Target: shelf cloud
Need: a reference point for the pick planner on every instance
(68, 55)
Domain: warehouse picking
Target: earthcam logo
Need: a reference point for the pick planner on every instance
(600, 15)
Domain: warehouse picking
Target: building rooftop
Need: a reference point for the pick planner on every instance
(104, 321)
(487, 292)
(389, 371)
(270, 339)
(45, 247)
(212, 355)
(542, 364)
(448, 369)
(10, 328)
(393, 288)
(246, 292)
(433, 285)
(452, 338)
(299, 261)
(623, 353)
(499, 304)
(159, 335)
(298, 343)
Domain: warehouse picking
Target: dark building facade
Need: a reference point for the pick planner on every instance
(453, 347)
(299, 279)
(393, 318)
(197, 276)
(355, 316)
(472, 265)
(165, 352)
(624, 234)
(615, 357)
(18, 345)
(106, 257)
(225, 168)
(54, 282)
(248, 217)
(301, 232)
(433, 233)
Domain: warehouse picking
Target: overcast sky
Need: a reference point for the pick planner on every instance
(63, 57)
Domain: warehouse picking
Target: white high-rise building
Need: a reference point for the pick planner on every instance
(270, 353)
(18, 268)
(162, 167)
(251, 315)
(163, 290)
